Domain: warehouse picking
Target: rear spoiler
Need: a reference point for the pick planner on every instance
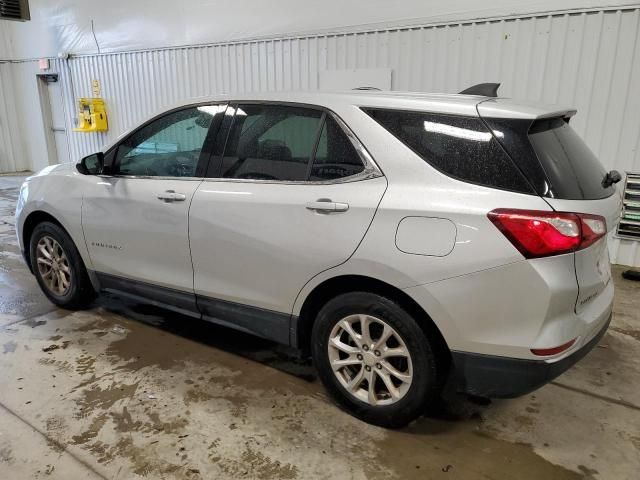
(508, 108)
(566, 114)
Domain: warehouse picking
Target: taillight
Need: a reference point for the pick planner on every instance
(541, 234)
(594, 227)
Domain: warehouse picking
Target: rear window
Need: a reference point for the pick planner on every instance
(574, 172)
(460, 147)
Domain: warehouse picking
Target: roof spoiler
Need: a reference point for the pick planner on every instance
(482, 89)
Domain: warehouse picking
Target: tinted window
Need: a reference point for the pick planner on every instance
(335, 155)
(461, 147)
(574, 172)
(511, 133)
(169, 146)
(269, 142)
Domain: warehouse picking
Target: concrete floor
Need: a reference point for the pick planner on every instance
(125, 390)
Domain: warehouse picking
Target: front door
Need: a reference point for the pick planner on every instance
(135, 221)
(291, 197)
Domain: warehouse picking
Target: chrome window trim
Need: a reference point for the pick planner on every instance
(353, 178)
(151, 177)
(364, 175)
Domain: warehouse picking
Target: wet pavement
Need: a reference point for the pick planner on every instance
(125, 390)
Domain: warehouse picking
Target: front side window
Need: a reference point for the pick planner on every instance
(284, 143)
(167, 147)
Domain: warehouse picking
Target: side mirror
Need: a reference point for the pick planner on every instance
(91, 164)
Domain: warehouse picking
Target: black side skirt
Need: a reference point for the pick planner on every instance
(267, 324)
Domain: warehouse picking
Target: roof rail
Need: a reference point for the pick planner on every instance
(482, 89)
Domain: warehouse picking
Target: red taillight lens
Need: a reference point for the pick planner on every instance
(541, 234)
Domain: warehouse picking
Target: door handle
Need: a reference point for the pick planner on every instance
(324, 205)
(171, 196)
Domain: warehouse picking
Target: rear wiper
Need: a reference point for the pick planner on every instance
(610, 178)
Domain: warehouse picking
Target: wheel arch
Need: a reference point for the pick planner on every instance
(334, 286)
(34, 219)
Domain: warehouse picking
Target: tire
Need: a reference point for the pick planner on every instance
(412, 397)
(77, 292)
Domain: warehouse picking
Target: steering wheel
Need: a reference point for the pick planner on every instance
(257, 176)
(179, 166)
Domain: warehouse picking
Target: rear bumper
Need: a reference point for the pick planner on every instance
(503, 377)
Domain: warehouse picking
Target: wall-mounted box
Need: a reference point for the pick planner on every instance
(92, 116)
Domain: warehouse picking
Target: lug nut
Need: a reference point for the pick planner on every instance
(365, 348)
(378, 366)
(359, 356)
(377, 353)
(367, 368)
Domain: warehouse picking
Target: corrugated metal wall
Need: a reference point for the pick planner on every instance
(588, 59)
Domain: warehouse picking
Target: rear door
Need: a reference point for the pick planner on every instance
(292, 195)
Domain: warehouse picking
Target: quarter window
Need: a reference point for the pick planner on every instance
(335, 156)
(169, 146)
(461, 147)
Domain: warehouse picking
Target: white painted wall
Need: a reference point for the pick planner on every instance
(5, 33)
(120, 25)
(22, 138)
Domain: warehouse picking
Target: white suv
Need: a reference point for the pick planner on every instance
(404, 240)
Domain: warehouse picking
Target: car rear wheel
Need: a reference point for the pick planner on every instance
(58, 267)
(374, 359)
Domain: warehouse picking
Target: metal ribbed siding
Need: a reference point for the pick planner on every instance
(590, 60)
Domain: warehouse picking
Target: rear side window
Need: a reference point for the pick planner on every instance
(574, 172)
(270, 142)
(461, 147)
(286, 143)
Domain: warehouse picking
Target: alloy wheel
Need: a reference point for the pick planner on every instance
(53, 266)
(370, 359)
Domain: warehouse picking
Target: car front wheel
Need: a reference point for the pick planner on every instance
(374, 359)
(58, 267)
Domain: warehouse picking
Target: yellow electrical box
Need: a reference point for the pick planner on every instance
(92, 115)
